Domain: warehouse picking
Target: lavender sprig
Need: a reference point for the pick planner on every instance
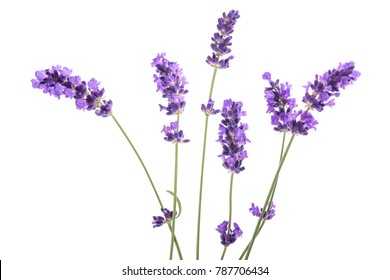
(328, 85)
(222, 40)
(170, 82)
(58, 82)
(232, 137)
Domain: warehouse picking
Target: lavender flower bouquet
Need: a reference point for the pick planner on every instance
(288, 117)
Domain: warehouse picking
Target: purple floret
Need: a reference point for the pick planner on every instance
(172, 134)
(159, 220)
(228, 236)
(209, 108)
(268, 215)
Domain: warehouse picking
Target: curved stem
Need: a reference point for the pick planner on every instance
(140, 160)
(202, 169)
(149, 177)
(267, 201)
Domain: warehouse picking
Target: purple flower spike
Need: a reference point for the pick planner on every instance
(328, 85)
(268, 215)
(228, 236)
(209, 108)
(221, 41)
(232, 136)
(170, 82)
(173, 135)
(58, 82)
(284, 116)
(158, 221)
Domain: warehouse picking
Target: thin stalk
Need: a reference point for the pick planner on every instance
(230, 211)
(140, 160)
(174, 193)
(224, 252)
(267, 201)
(212, 82)
(149, 177)
(272, 195)
(247, 246)
(202, 168)
(276, 183)
(271, 198)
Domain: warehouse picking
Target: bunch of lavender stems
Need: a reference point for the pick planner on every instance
(285, 118)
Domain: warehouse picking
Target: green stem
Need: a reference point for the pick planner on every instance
(282, 149)
(148, 175)
(202, 169)
(212, 82)
(230, 211)
(230, 201)
(223, 253)
(247, 246)
(267, 201)
(276, 183)
(174, 193)
(140, 160)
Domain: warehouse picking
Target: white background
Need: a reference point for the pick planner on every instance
(74, 200)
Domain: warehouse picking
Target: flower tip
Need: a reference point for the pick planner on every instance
(158, 59)
(267, 76)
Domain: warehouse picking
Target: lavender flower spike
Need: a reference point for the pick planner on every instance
(222, 40)
(328, 85)
(284, 116)
(58, 82)
(228, 236)
(170, 82)
(232, 136)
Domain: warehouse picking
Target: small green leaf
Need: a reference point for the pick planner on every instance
(177, 201)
